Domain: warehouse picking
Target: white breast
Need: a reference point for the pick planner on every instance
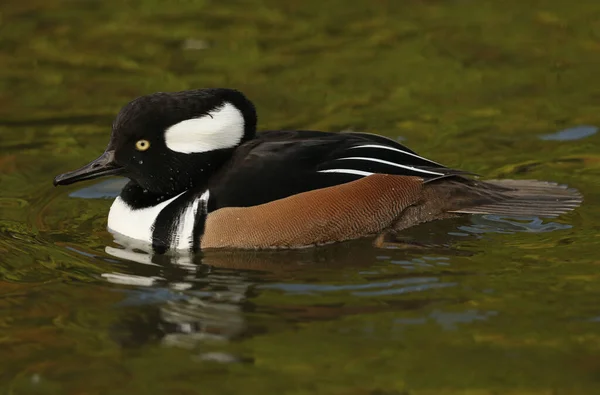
(138, 224)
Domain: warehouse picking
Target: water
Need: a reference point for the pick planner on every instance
(482, 305)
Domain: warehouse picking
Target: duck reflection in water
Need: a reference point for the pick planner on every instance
(190, 300)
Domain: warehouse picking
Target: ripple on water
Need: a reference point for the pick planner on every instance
(508, 225)
(447, 320)
(373, 288)
(573, 133)
(107, 189)
(425, 262)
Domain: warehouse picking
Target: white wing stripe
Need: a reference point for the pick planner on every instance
(385, 162)
(346, 171)
(394, 149)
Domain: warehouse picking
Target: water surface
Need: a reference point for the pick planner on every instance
(482, 305)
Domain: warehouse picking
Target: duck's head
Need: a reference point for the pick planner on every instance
(166, 142)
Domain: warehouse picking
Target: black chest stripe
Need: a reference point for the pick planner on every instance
(167, 222)
(200, 222)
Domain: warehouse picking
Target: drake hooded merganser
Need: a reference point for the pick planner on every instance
(201, 177)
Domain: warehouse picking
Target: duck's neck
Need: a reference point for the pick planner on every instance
(137, 197)
(189, 173)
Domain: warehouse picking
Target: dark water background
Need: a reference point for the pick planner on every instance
(492, 306)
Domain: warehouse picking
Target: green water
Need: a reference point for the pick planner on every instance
(489, 306)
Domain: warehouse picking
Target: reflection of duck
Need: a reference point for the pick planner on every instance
(204, 297)
(204, 301)
(196, 303)
(202, 178)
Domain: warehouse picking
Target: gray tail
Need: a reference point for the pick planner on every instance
(526, 198)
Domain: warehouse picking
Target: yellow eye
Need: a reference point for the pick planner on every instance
(142, 145)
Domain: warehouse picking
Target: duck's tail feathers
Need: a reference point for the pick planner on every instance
(527, 198)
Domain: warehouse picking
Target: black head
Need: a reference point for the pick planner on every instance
(167, 142)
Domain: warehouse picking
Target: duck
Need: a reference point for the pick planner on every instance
(201, 177)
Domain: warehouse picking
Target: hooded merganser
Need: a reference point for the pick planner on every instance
(202, 178)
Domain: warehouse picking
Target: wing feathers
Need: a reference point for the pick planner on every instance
(388, 163)
(375, 147)
(367, 159)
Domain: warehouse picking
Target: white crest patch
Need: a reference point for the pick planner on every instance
(221, 128)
